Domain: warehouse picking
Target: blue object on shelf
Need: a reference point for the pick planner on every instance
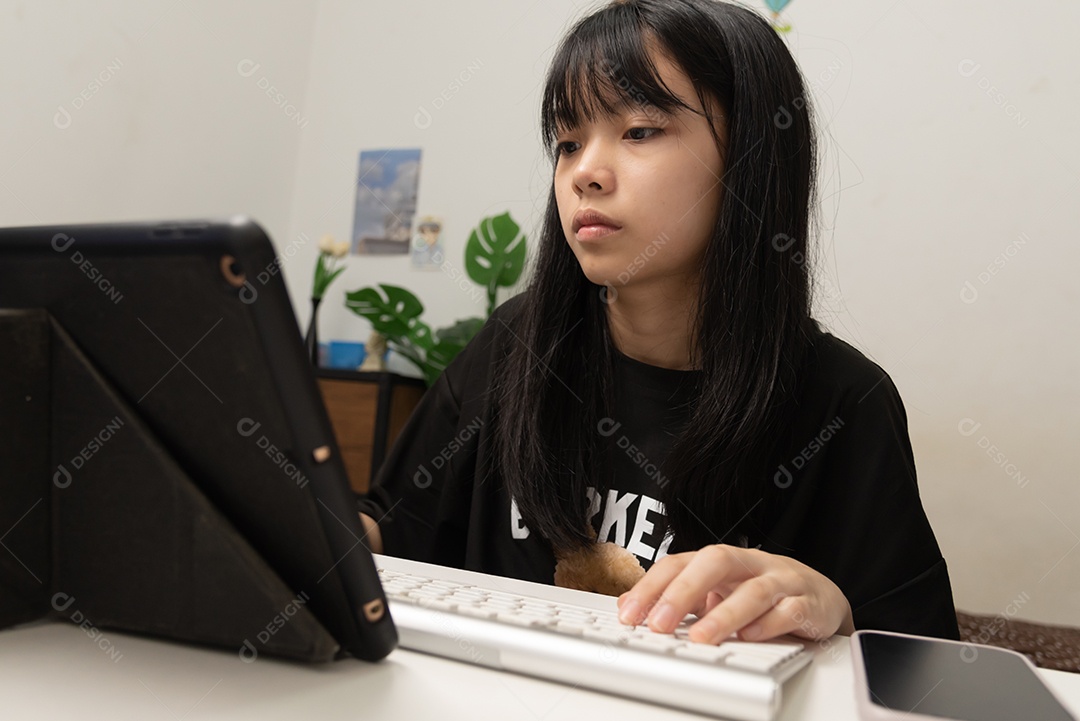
(345, 354)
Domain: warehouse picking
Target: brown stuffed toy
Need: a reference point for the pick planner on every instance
(601, 568)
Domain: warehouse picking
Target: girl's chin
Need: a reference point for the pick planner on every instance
(603, 271)
(599, 277)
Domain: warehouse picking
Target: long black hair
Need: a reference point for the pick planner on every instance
(752, 325)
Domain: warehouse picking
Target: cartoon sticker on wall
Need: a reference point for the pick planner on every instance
(776, 6)
(427, 245)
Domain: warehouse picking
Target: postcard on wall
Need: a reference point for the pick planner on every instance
(427, 244)
(385, 201)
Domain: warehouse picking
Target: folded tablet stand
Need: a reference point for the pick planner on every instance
(100, 525)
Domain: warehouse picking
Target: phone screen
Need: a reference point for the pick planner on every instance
(953, 681)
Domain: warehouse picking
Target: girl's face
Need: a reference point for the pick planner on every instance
(655, 176)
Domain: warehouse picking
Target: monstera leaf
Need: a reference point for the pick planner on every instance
(395, 313)
(449, 342)
(494, 258)
(460, 332)
(495, 254)
(396, 316)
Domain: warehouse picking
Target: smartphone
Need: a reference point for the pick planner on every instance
(898, 675)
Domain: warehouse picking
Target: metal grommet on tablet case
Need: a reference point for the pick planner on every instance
(373, 610)
(321, 454)
(236, 280)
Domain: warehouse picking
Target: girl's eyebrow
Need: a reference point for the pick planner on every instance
(621, 109)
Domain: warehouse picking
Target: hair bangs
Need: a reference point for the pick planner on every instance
(604, 66)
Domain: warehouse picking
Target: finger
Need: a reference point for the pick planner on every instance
(636, 603)
(712, 601)
(802, 616)
(750, 602)
(709, 569)
(784, 617)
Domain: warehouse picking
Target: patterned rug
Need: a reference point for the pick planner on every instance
(1056, 647)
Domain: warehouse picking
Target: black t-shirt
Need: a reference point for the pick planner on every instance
(843, 500)
(650, 406)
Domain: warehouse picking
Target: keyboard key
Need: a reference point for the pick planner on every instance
(517, 619)
(752, 663)
(439, 605)
(475, 612)
(569, 627)
(764, 648)
(656, 642)
(701, 652)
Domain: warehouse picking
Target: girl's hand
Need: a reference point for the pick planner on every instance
(757, 594)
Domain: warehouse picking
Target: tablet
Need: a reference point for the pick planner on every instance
(184, 330)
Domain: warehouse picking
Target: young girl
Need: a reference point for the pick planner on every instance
(661, 384)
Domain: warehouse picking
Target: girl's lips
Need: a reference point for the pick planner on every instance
(591, 216)
(595, 232)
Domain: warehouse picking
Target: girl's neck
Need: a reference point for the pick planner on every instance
(654, 328)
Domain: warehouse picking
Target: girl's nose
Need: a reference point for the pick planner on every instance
(594, 172)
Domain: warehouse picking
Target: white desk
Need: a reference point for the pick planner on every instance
(54, 670)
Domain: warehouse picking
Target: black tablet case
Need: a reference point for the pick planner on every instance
(144, 532)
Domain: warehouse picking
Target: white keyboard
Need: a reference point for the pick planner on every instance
(497, 622)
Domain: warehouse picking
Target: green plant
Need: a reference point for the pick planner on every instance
(494, 258)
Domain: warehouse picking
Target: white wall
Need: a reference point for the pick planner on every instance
(928, 181)
(460, 82)
(159, 122)
(950, 126)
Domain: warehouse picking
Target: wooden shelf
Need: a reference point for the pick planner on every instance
(367, 410)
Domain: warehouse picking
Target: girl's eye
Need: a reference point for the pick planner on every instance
(636, 134)
(562, 149)
(649, 132)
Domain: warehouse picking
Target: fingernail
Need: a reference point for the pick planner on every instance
(663, 616)
(630, 612)
(751, 632)
(705, 631)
